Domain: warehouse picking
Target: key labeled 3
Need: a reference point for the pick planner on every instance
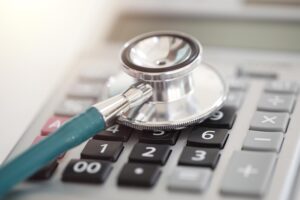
(205, 157)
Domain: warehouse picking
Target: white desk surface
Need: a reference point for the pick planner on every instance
(38, 39)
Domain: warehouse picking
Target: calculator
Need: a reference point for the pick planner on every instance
(249, 149)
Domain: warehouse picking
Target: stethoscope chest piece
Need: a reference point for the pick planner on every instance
(185, 90)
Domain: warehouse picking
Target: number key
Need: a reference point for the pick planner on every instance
(116, 133)
(159, 137)
(100, 149)
(150, 153)
(199, 157)
(223, 118)
(88, 171)
(205, 137)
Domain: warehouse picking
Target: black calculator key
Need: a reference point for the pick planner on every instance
(224, 118)
(139, 175)
(158, 137)
(204, 157)
(116, 133)
(150, 153)
(45, 173)
(86, 171)
(103, 150)
(207, 137)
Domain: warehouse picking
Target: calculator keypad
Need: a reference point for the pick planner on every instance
(250, 170)
(202, 148)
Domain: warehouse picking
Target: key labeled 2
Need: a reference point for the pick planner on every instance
(150, 153)
(205, 157)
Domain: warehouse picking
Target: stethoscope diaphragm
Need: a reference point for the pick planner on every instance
(185, 90)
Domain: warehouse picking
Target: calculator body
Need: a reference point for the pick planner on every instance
(249, 72)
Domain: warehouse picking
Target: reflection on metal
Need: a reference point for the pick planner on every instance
(185, 90)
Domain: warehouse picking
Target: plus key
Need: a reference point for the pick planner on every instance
(248, 173)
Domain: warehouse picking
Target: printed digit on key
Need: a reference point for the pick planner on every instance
(114, 129)
(90, 168)
(208, 135)
(199, 155)
(158, 133)
(217, 116)
(149, 153)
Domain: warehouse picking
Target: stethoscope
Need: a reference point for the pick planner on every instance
(173, 90)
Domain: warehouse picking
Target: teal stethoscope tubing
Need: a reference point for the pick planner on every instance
(71, 134)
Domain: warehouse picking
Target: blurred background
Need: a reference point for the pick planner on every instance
(38, 41)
